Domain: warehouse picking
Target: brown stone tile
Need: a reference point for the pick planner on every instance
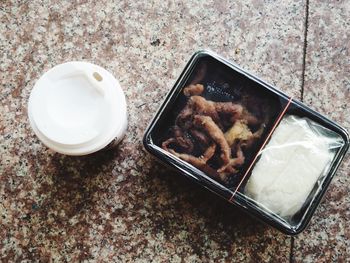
(327, 89)
(121, 205)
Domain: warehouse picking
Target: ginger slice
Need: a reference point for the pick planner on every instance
(239, 131)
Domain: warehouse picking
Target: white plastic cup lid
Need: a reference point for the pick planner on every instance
(77, 108)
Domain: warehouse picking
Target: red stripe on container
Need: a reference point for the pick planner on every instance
(262, 146)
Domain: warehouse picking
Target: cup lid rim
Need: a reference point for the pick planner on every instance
(107, 93)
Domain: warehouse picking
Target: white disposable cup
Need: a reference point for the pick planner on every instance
(78, 108)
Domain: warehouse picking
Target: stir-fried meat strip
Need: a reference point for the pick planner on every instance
(195, 161)
(184, 119)
(250, 118)
(192, 90)
(200, 106)
(208, 125)
(196, 105)
(182, 140)
(234, 110)
(166, 143)
(231, 166)
(200, 136)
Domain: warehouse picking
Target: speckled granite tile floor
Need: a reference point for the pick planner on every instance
(121, 205)
(327, 89)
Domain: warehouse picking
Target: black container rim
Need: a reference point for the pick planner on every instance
(216, 187)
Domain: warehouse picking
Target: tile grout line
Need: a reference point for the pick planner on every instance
(291, 254)
(306, 26)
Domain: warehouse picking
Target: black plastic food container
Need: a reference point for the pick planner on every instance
(228, 85)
